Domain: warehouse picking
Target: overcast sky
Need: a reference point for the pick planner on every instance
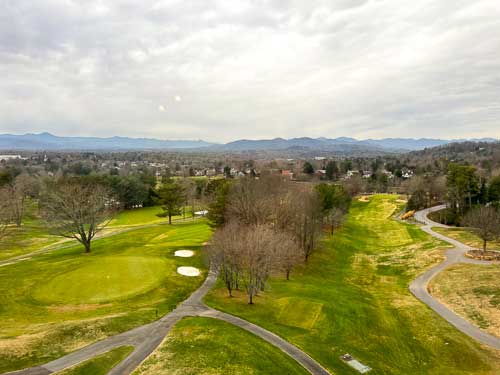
(230, 69)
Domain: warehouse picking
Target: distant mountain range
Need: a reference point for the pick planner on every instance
(47, 141)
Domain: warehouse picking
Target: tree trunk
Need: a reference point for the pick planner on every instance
(250, 298)
(484, 246)
(169, 218)
(288, 274)
(87, 246)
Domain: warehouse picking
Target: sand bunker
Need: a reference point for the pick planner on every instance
(188, 271)
(184, 253)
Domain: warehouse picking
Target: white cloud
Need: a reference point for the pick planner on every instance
(251, 68)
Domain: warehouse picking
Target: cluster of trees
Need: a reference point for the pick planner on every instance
(465, 189)
(267, 226)
(15, 191)
(425, 191)
(472, 199)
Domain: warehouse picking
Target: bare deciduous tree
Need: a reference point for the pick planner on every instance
(485, 221)
(288, 253)
(305, 224)
(223, 254)
(77, 210)
(5, 212)
(18, 191)
(249, 203)
(247, 255)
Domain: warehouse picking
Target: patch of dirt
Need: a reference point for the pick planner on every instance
(364, 198)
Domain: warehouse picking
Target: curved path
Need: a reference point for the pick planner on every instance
(147, 338)
(419, 286)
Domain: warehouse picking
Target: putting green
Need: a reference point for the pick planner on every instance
(103, 280)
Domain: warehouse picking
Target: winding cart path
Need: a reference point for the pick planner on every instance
(419, 287)
(147, 338)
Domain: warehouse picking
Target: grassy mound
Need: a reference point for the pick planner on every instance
(207, 346)
(355, 299)
(104, 280)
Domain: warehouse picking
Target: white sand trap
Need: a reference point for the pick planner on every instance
(188, 271)
(184, 253)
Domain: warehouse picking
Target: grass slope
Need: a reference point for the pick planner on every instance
(207, 346)
(99, 365)
(472, 291)
(353, 297)
(59, 301)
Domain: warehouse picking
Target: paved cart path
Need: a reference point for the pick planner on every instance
(147, 338)
(419, 286)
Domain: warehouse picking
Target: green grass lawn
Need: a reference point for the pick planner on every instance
(33, 236)
(29, 237)
(353, 298)
(467, 237)
(99, 365)
(59, 301)
(199, 346)
(145, 215)
(25, 239)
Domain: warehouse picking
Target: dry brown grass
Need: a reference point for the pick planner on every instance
(78, 308)
(473, 292)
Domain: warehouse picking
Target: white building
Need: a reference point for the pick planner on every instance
(11, 157)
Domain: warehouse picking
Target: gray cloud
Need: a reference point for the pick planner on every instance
(251, 69)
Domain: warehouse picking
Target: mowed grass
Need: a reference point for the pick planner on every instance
(33, 236)
(144, 215)
(59, 301)
(25, 239)
(472, 291)
(104, 279)
(198, 346)
(353, 298)
(99, 365)
(468, 237)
